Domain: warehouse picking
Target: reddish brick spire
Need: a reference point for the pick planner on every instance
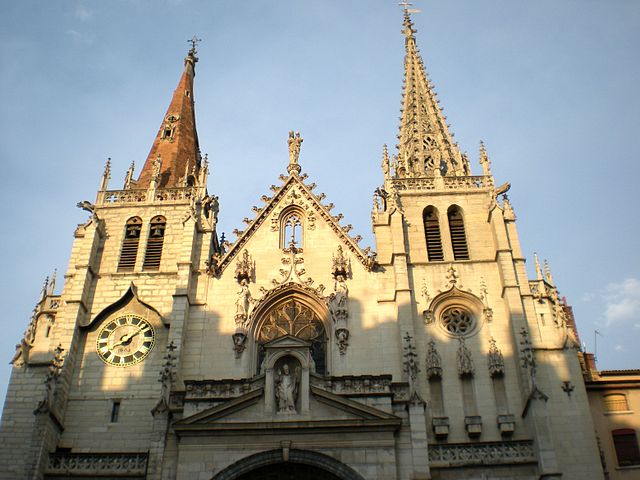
(177, 139)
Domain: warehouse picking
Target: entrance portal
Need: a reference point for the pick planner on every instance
(288, 471)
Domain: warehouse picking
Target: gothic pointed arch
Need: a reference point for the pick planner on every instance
(324, 463)
(131, 295)
(295, 310)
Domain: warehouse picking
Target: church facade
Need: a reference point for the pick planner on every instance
(293, 352)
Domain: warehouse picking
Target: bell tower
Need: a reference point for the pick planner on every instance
(447, 242)
(125, 303)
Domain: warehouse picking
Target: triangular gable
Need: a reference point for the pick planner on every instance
(287, 341)
(354, 413)
(367, 258)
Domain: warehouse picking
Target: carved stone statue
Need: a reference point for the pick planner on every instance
(294, 142)
(287, 389)
(338, 303)
(243, 302)
(211, 209)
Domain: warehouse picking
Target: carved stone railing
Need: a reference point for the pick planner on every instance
(414, 183)
(196, 390)
(486, 453)
(97, 464)
(470, 182)
(141, 195)
(446, 183)
(174, 194)
(354, 385)
(135, 195)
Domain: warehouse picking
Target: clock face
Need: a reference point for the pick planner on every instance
(125, 340)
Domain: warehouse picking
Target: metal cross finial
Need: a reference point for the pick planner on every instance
(405, 6)
(194, 42)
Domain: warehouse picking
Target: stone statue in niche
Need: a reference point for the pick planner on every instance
(243, 303)
(286, 388)
(339, 298)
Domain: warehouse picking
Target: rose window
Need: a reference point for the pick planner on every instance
(457, 321)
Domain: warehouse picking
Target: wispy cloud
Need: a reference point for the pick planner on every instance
(622, 302)
(82, 12)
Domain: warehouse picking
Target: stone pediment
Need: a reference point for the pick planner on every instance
(296, 192)
(287, 341)
(247, 413)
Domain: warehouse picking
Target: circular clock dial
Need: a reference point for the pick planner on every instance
(125, 340)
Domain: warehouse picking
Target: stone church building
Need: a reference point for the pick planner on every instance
(293, 352)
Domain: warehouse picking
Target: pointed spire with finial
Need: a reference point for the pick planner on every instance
(129, 182)
(106, 175)
(485, 163)
(385, 162)
(52, 283)
(547, 271)
(539, 275)
(425, 143)
(177, 139)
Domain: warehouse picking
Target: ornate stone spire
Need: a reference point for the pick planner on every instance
(539, 275)
(425, 144)
(177, 140)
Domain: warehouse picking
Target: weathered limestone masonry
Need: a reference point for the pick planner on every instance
(172, 353)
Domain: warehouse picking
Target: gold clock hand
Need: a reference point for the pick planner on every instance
(125, 338)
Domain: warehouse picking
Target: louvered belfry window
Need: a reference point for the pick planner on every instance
(130, 245)
(458, 235)
(153, 253)
(625, 442)
(432, 234)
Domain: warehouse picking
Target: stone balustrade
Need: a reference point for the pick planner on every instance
(97, 464)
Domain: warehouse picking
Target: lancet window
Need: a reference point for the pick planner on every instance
(295, 318)
(458, 235)
(155, 242)
(292, 228)
(130, 244)
(432, 234)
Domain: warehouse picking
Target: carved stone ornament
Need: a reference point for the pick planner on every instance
(244, 267)
(243, 305)
(51, 381)
(166, 378)
(293, 272)
(484, 296)
(434, 362)
(342, 340)
(239, 342)
(211, 208)
(157, 165)
(340, 265)
(294, 142)
(496, 360)
(287, 380)
(410, 363)
(526, 355)
(427, 313)
(464, 360)
(212, 266)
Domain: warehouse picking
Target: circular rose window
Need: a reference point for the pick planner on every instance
(457, 320)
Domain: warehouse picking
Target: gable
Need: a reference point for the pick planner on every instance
(294, 193)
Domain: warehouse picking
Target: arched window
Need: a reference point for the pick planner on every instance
(294, 317)
(432, 234)
(291, 230)
(130, 243)
(625, 442)
(615, 402)
(458, 235)
(153, 253)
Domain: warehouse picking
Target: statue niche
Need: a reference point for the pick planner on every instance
(294, 317)
(286, 385)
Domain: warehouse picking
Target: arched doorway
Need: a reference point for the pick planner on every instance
(300, 465)
(288, 471)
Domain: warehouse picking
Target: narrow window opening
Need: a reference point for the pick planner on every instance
(115, 411)
(153, 253)
(130, 245)
(47, 331)
(432, 234)
(292, 228)
(458, 235)
(167, 132)
(625, 442)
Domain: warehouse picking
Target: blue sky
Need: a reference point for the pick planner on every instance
(551, 88)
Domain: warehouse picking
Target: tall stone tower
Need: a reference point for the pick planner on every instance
(293, 352)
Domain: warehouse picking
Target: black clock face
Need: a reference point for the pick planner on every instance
(125, 340)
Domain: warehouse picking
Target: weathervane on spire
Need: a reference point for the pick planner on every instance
(405, 6)
(194, 43)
